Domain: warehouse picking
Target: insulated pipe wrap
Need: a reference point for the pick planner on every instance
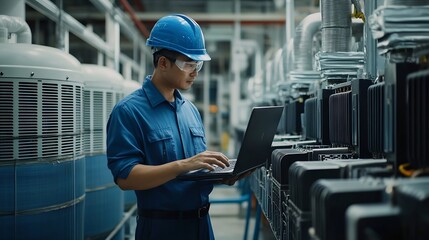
(336, 13)
(336, 25)
(304, 41)
(15, 25)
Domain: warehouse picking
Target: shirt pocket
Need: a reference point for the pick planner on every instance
(162, 147)
(198, 139)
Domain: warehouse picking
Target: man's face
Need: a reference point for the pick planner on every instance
(180, 79)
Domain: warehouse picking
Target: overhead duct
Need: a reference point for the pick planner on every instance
(303, 41)
(337, 61)
(336, 25)
(18, 26)
(301, 77)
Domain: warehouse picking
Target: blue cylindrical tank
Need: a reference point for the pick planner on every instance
(104, 204)
(42, 177)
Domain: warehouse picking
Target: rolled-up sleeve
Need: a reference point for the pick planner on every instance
(124, 148)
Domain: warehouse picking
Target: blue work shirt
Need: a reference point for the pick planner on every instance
(144, 128)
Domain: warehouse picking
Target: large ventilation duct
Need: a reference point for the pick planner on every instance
(42, 166)
(337, 61)
(301, 77)
(104, 205)
(18, 26)
(303, 42)
(336, 25)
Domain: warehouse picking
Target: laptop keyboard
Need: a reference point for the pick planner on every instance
(218, 169)
(227, 169)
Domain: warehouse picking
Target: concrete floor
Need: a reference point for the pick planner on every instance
(229, 220)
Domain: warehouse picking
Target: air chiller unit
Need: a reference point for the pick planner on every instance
(42, 184)
(104, 204)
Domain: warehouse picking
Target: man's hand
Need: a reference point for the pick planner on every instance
(231, 181)
(204, 160)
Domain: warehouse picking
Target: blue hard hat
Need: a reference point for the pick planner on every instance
(179, 33)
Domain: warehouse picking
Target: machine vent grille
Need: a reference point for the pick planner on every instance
(340, 121)
(293, 117)
(6, 120)
(86, 121)
(119, 96)
(67, 120)
(310, 110)
(50, 119)
(376, 118)
(38, 120)
(27, 120)
(109, 104)
(78, 126)
(98, 121)
(418, 118)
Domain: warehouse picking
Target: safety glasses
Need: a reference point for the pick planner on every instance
(188, 67)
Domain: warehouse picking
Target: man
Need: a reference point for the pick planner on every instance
(154, 134)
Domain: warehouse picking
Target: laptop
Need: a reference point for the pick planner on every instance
(255, 147)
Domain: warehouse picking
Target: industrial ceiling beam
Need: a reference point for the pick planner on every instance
(222, 18)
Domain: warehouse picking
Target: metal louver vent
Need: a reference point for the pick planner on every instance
(6, 121)
(67, 124)
(109, 104)
(38, 120)
(340, 111)
(376, 118)
(98, 121)
(50, 119)
(310, 110)
(27, 120)
(119, 96)
(418, 118)
(86, 121)
(78, 130)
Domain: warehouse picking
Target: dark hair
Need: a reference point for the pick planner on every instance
(170, 54)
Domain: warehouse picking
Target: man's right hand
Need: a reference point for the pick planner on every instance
(206, 159)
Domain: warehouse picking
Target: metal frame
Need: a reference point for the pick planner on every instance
(50, 10)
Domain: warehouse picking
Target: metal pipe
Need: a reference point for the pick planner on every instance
(290, 19)
(370, 47)
(303, 41)
(336, 25)
(51, 11)
(107, 6)
(224, 18)
(142, 28)
(9, 24)
(125, 218)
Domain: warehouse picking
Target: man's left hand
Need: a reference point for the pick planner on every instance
(231, 181)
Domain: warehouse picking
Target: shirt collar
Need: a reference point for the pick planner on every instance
(155, 97)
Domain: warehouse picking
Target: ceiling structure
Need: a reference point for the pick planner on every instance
(260, 20)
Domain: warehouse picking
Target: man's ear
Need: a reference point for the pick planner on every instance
(163, 63)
